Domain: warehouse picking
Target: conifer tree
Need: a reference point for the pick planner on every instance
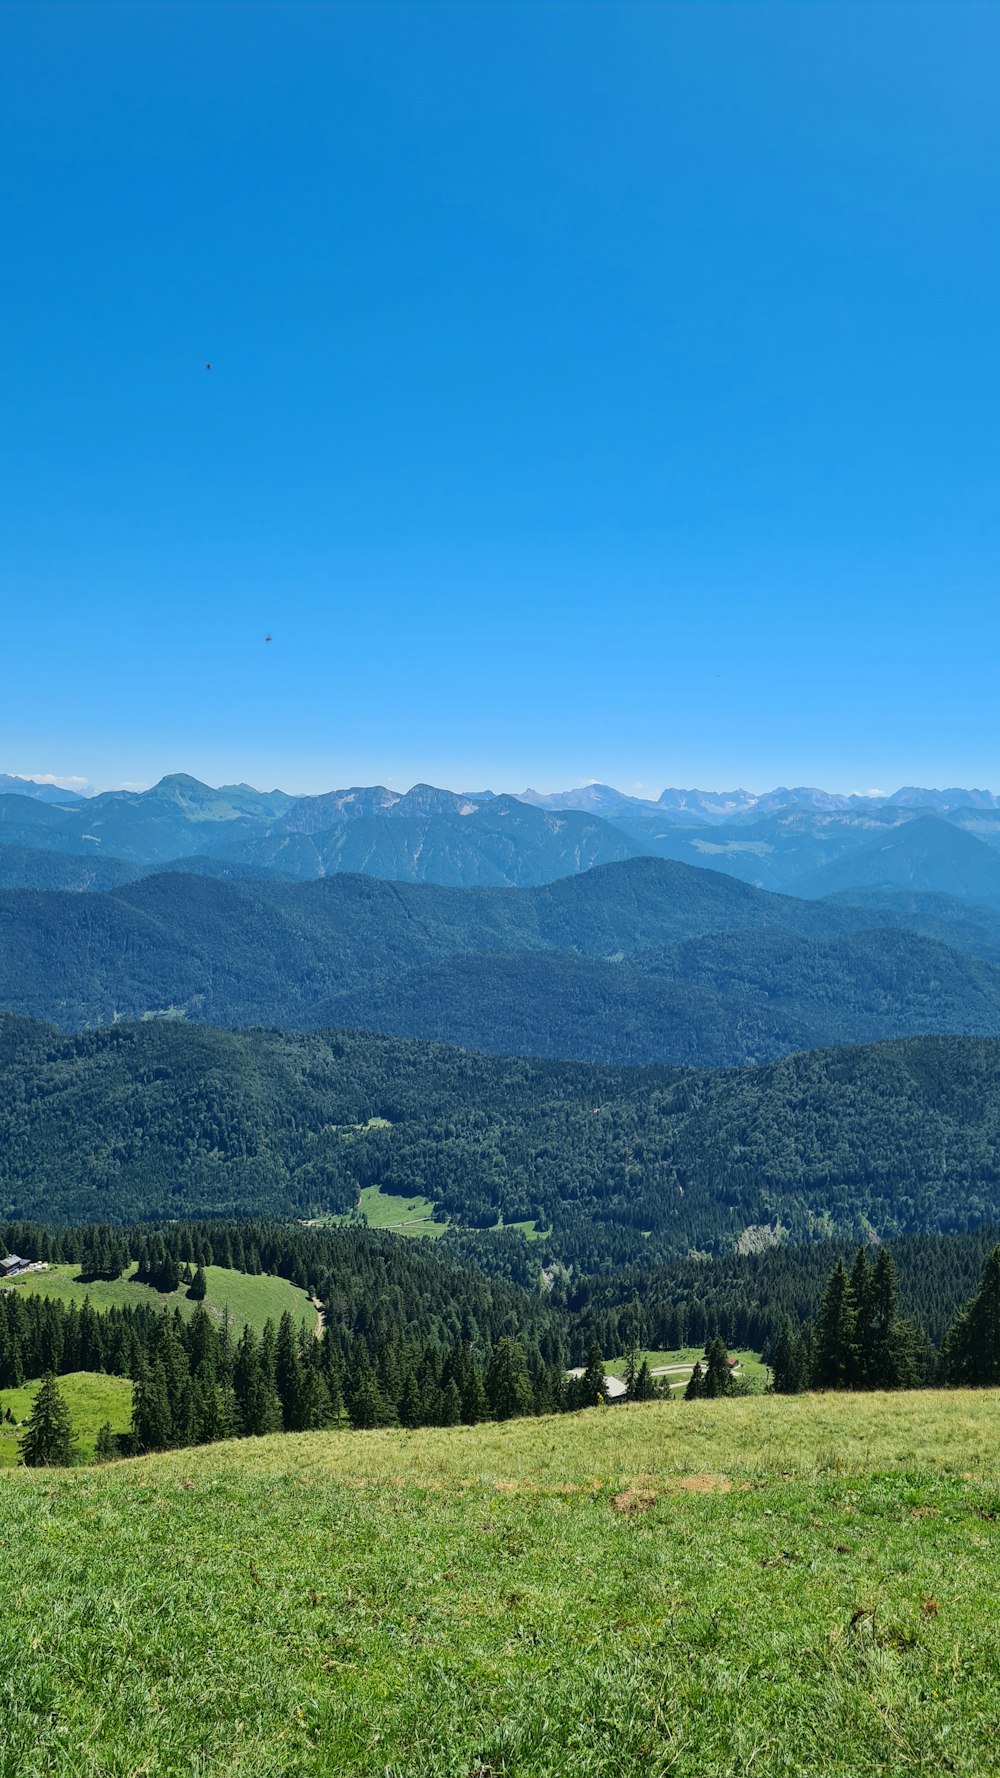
(863, 1292)
(198, 1287)
(152, 1419)
(972, 1348)
(696, 1384)
(835, 1352)
(508, 1388)
(105, 1447)
(643, 1387)
(48, 1437)
(717, 1376)
(594, 1382)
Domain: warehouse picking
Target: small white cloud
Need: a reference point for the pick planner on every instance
(61, 783)
(869, 793)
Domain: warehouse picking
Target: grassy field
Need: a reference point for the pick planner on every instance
(404, 1216)
(707, 1590)
(91, 1399)
(678, 1365)
(247, 1298)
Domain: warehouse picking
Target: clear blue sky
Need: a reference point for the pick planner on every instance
(598, 391)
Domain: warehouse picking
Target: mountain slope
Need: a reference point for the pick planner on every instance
(497, 844)
(644, 961)
(926, 854)
(277, 953)
(723, 1001)
(172, 1120)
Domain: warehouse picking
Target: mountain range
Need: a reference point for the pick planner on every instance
(641, 961)
(801, 842)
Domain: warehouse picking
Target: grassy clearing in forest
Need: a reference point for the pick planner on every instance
(679, 1363)
(773, 1586)
(91, 1399)
(248, 1298)
(404, 1216)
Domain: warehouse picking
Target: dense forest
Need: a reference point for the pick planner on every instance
(641, 962)
(748, 1297)
(408, 1338)
(160, 1119)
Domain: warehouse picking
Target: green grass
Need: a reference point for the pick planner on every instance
(404, 1216)
(764, 1586)
(681, 1362)
(253, 1299)
(90, 1398)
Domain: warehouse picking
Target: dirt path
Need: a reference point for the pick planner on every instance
(320, 1318)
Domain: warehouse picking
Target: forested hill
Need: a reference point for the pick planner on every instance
(644, 961)
(164, 1120)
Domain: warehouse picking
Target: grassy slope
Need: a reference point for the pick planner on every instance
(681, 1362)
(91, 1399)
(554, 1597)
(404, 1216)
(247, 1298)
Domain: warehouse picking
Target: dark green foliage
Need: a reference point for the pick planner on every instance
(48, 1437)
(198, 1287)
(106, 1445)
(716, 1373)
(696, 1383)
(972, 1348)
(165, 1119)
(527, 973)
(508, 1387)
(642, 1387)
(835, 1354)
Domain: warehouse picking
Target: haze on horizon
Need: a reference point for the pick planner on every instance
(596, 393)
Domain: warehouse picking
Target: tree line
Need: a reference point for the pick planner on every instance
(860, 1340)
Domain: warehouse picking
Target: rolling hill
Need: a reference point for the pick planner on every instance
(642, 961)
(165, 1120)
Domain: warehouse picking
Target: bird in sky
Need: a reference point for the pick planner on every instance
(269, 637)
(208, 367)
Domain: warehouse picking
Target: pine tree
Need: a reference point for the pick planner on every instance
(48, 1437)
(863, 1292)
(594, 1382)
(508, 1388)
(717, 1373)
(696, 1384)
(784, 1370)
(152, 1418)
(411, 1405)
(198, 1287)
(105, 1447)
(643, 1387)
(835, 1352)
(451, 1405)
(972, 1348)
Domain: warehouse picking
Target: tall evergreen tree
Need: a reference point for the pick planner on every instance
(508, 1387)
(48, 1437)
(835, 1351)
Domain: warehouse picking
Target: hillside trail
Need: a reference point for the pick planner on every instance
(320, 1327)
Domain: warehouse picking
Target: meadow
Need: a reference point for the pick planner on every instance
(765, 1585)
(674, 1368)
(91, 1400)
(246, 1298)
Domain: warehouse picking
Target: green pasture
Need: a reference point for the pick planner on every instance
(679, 1363)
(91, 1400)
(247, 1298)
(769, 1586)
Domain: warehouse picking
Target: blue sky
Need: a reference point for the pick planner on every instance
(597, 392)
